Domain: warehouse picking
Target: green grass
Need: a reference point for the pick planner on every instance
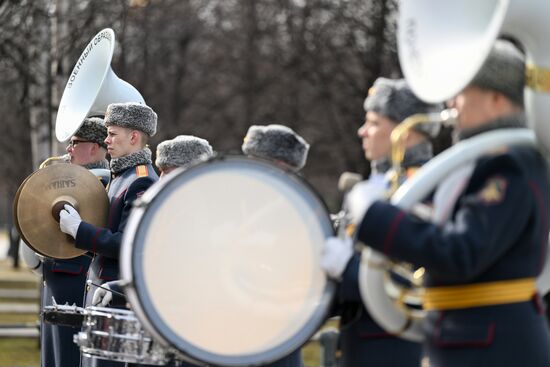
(19, 353)
(25, 352)
(19, 300)
(7, 284)
(15, 318)
(311, 354)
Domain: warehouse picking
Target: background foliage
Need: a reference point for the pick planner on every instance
(209, 68)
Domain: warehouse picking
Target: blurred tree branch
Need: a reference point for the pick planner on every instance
(210, 68)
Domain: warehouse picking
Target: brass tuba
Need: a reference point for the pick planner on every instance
(65, 158)
(92, 86)
(385, 302)
(378, 291)
(439, 56)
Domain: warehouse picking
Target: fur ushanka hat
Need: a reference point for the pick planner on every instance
(276, 142)
(394, 99)
(132, 115)
(93, 129)
(503, 71)
(182, 151)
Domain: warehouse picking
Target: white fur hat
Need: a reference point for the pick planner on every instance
(276, 142)
(503, 71)
(93, 129)
(132, 115)
(182, 151)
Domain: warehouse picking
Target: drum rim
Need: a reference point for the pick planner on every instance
(110, 310)
(136, 297)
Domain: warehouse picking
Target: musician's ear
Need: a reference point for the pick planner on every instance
(135, 137)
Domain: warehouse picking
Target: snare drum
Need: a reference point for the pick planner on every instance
(116, 335)
(222, 261)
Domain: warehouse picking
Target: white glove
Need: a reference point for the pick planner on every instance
(102, 296)
(362, 196)
(69, 220)
(336, 255)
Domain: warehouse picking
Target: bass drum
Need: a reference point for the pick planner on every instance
(222, 261)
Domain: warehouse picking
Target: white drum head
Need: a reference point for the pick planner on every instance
(223, 262)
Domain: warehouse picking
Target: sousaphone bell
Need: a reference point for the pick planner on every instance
(92, 86)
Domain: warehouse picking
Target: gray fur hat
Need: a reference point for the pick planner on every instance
(276, 142)
(394, 99)
(132, 115)
(182, 151)
(93, 129)
(503, 71)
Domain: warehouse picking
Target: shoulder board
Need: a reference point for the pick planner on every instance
(142, 171)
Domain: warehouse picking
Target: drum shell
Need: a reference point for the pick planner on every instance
(116, 335)
(134, 247)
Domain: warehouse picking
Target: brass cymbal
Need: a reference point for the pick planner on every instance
(43, 194)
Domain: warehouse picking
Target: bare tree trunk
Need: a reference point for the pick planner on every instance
(250, 54)
(59, 66)
(379, 35)
(39, 95)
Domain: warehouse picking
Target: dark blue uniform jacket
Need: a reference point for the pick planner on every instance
(498, 231)
(124, 189)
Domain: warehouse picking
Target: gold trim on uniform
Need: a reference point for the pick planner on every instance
(479, 294)
(493, 191)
